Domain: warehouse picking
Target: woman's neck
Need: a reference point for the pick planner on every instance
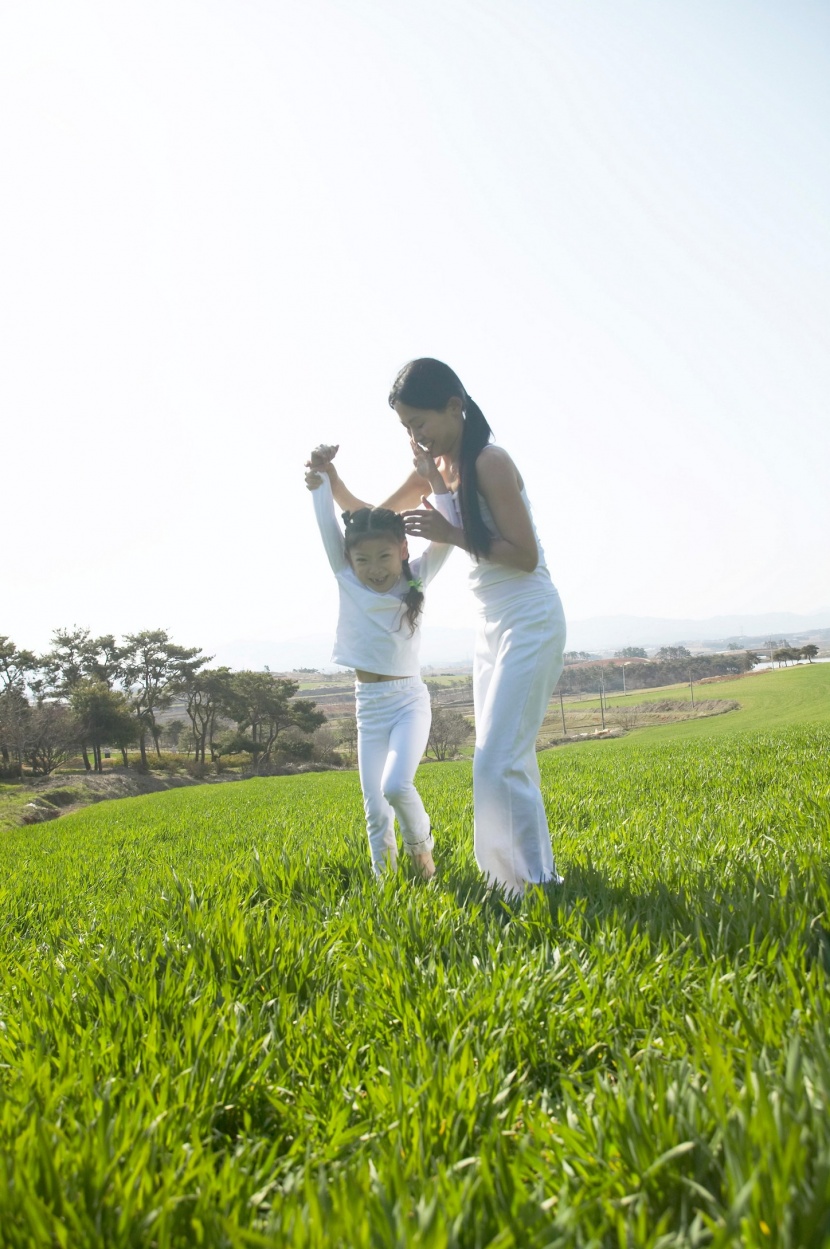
(448, 468)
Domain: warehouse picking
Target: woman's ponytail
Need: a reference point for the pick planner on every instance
(476, 435)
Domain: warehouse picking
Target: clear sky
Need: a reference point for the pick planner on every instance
(226, 224)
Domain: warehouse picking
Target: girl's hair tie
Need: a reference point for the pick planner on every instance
(417, 584)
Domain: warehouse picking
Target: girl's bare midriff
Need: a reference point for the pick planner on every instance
(372, 676)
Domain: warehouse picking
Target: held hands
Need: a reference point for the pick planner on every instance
(320, 461)
(427, 522)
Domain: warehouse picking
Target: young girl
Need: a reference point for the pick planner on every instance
(381, 598)
(480, 504)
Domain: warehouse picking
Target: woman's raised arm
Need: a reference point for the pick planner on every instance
(409, 494)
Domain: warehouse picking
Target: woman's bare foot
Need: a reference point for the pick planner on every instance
(424, 865)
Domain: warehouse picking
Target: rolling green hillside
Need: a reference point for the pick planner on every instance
(217, 1029)
(775, 698)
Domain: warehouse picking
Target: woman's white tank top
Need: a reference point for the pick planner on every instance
(496, 583)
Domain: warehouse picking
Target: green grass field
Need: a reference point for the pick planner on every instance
(776, 697)
(216, 1029)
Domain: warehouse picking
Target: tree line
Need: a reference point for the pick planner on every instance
(671, 664)
(791, 654)
(87, 693)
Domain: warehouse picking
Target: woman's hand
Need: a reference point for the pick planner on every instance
(313, 480)
(427, 522)
(426, 467)
(321, 457)
(422, 461)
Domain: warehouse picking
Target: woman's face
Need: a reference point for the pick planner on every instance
(437, 430)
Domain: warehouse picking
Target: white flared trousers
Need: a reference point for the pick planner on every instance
(393, 721)
(518, 661)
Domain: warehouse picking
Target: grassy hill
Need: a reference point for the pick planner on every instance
(775, 698)
(217, 1029)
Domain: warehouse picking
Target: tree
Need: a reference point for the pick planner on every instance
(207, 694)
(104, 717)
(264, 706)
(347, 735)
(14, 721)
(15, 664)
(673, 653)
(76, 656)
(449, 729)
(631, 652)
(809, 652)
(447, 733)
(51, 737)
(154, 670)
(103, 659)
(785, 655)
(67, 662)
(172, 731)
(15, 668)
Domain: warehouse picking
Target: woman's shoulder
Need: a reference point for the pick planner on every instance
(495, 468)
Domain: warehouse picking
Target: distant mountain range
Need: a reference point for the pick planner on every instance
(613, 632)
(601, 634)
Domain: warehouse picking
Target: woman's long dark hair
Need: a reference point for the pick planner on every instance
(428, 383)
(372, 522)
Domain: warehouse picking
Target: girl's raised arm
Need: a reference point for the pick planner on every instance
(330, 531)
(343, 497)
(320, 461)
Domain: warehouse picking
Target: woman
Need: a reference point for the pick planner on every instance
(482, 507)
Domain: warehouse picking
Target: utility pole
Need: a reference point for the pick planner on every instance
(602, 696)
(562, 709)
(691, 686)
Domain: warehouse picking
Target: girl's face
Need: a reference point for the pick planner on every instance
(437, 430)
(378, 562)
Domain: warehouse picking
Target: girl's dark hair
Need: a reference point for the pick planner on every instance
(428, 383)
(372, 522)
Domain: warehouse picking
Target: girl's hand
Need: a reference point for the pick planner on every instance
(427, 522)
(313, 479)
(322, 456)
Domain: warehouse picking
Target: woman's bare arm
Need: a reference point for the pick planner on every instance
(498, 482)
(409, 494)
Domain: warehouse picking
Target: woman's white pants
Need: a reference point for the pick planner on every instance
(393, 721)
(518, 661)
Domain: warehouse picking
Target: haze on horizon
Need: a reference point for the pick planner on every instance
(227, 224)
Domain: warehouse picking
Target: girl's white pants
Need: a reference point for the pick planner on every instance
(518, 661)
(393, 721)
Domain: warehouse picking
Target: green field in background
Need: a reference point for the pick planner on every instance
(217, 1029)
(775, 698)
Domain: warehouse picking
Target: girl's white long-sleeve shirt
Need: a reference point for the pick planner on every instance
(373, 633)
